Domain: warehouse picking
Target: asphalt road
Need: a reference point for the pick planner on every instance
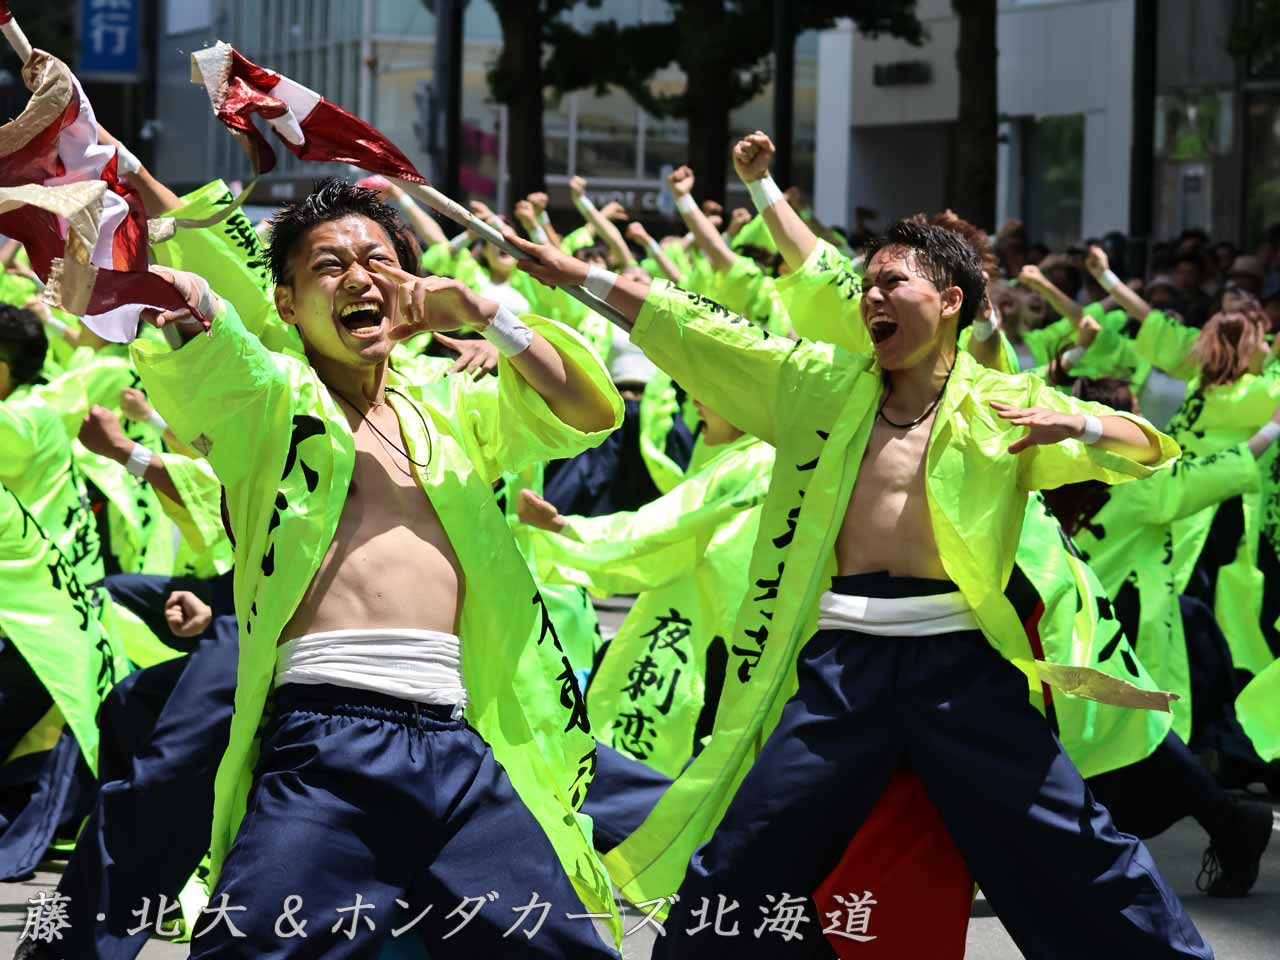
(1247, 929)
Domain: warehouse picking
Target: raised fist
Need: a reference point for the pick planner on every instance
(680, 180)
(752, 156)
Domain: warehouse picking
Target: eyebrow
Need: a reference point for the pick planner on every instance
(368, 247)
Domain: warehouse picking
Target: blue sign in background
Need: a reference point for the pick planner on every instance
(109, 39)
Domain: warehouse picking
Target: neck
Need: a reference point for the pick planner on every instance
(363, 386)
(720, 438)
(913, 389)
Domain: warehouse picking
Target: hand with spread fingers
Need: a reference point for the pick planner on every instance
(429, 303)
(1043, 426)
(476, 357)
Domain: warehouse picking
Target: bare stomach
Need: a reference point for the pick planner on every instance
(901, 549)
(394, 579)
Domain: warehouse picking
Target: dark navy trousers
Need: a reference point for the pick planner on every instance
(1062, 879)
(622, 793)
(163, 731)
(379, 815)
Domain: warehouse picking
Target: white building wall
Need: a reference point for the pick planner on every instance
(1055, 57)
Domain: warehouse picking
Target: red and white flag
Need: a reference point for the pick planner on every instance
(83, 227)
(311, 127)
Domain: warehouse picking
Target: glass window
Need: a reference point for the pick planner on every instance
(403, 18)
(1262, 166)
(1054, 179)
(607, 135)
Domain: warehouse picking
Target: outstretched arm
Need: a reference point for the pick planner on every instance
(752, 156)
(1118, 435)
(440, 303)
(601, 224)
(637, 233)
(705, 235)
(101, 434)
(1031, 276)
(1129, 301)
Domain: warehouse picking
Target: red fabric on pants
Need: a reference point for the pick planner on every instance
(904, 857)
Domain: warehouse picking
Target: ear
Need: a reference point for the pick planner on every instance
(284, 304)
(952, 300)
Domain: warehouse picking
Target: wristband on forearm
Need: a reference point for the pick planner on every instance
(984, 329)
(460, 241)
(1092, 432)
(508, 333)
(537, 234)
(685, 203)
(1073, 356)
(544, 218)
(600, 281)
(406, 202)
(158, 421)
(57, 326)
(139, 460)
(1268, 432)
(1108, 281)
(584, 206)
(764, 193)
(651, 245)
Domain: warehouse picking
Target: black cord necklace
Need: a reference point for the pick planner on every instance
(920, 419)
(387, 441)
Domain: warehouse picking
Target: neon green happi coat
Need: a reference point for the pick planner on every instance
(37, 465)
(49, 616)
(1258, 709)
(1129, 542)
(284, 452)
(1074, 624)
(686, 554)
(816, 404)
(141, 535)
(1208, 421)
(747, 290)
(823, 299)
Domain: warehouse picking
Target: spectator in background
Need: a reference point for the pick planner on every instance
(1189, 275)
(1247, 272)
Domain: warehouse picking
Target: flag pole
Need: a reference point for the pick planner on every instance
(459, 214)
(13, 33)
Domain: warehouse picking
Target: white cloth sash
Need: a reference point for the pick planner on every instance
(422, 666)
(897, 616)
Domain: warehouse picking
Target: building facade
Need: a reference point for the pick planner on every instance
(373, 57)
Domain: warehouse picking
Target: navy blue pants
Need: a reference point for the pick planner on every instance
(42, 795)
(164, 729)
(1062, 879)
(621, 795)
(362, 794)
(144, 594)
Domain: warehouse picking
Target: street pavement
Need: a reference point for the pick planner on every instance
(1247, 929)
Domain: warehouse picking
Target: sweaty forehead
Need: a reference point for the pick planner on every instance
(895, 257)
(356, 233)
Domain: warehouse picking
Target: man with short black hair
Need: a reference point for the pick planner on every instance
(427, 740)
(890, 527)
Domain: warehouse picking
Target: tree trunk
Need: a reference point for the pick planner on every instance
(520, 69)
(971, 157)
(707, 74)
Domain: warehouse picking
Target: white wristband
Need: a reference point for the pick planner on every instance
(157, 421)
(508, 333)
(544, 219)
(652, 246)
(406, 202)
(600, 282)
(685, 203)
(1073, 356)
(727, 237)
(584, 205)
(461, 240)
(764, 193)
(139, 460)
(984, 329)
(1109, 281)
(126, 162)
(687, 238)
(1092, 430)
(1269, 431)
(57, 326)
(538, 235)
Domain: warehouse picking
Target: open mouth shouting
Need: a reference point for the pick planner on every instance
(882, 328)
(362, 318)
